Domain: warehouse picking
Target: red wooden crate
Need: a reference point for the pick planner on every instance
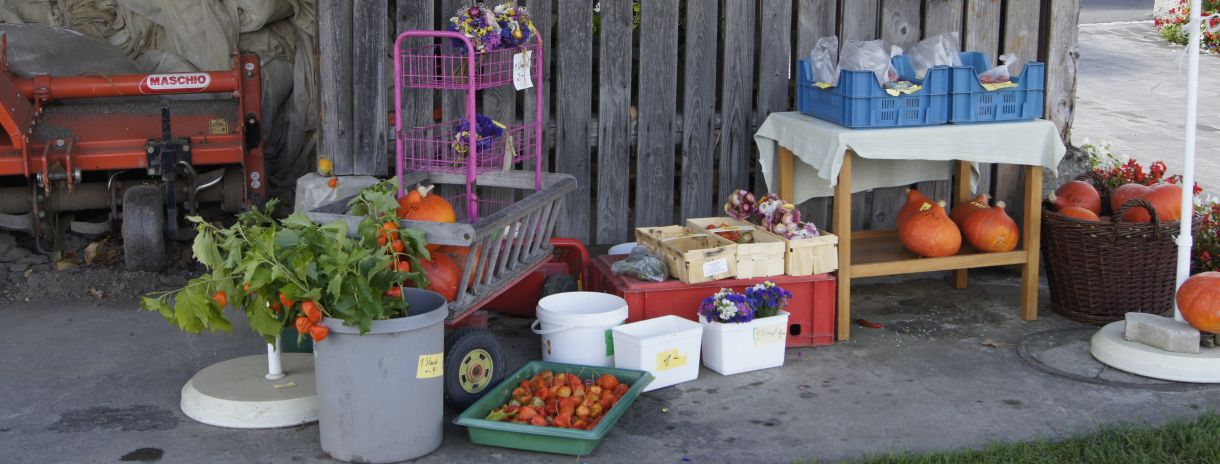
(812, 308)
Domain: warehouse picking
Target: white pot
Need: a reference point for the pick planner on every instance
(742, 347)
(667, 347)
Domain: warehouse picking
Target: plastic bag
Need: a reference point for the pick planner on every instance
(999, 73)
(859, 55)
(642, 265)
(825, 59)
(939, 50)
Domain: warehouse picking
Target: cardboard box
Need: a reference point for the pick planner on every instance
(760, 255)
(817, 255)
(651, 237)
(699, 258)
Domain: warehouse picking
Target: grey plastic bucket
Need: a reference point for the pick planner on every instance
(381, 395)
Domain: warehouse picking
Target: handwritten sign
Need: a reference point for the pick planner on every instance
(716, 266)
(671, 359)
(521, 70)
(430, 366)
(769, 335)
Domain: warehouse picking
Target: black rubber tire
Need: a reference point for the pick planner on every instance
(144, 228)
(558, 283)
(458, 344)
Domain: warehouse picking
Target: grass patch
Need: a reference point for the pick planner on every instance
(1191, 441)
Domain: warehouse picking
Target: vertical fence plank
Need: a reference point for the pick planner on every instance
(774, 68)
(982, 34)
(699, 109)
(1021, 23)
(736, 136)
(900, 22)
(654, 178)
(370, 24)
(613, 119)
(859, 22)
(453, 103)
(335, 83)
(573, 82)
(941, 16)
(417, 103)
(540, 11)
(1062, 53)
(815, 19)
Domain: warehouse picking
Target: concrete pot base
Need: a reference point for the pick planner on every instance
(235, 394)
(1111, 348)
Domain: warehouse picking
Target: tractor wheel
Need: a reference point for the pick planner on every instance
(144, 228)
(474, 363)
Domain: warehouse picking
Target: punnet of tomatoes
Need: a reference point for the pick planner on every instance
(561, 400)
(284, 272)
(731, 235)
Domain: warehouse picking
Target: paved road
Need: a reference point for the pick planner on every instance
(1108, 11)
(1132, 93)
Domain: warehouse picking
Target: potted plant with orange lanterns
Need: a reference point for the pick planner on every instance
(377, 345)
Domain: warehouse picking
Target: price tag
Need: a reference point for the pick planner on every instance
(769, 335)
(671, 359)
(430, 366)
(521, 70)
(714, 267)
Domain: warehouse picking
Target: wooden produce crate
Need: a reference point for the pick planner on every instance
(652, 237)
(699, 258)
(818, 255)
(761, 254)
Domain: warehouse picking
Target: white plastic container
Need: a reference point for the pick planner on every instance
(575, 327)
(735, 348)
(667, 347)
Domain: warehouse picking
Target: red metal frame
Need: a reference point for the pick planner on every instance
(108, 142)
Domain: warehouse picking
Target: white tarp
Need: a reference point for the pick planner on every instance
(177, 35)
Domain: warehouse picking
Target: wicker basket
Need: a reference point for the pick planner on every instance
(1098, 272)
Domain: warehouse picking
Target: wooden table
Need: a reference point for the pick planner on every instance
(875, 253)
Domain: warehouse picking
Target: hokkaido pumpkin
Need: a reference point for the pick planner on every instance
(930, 233)
(965, 209)
(1128, 192)
(991, 230)
(1079, 213)
(1167, 199)
(459, 255)
(1199, 301)
(1077, 193)
(421, 205)
(914, 200)
(444, 275)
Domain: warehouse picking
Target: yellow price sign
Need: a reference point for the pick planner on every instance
(671, 359)
(430, 366)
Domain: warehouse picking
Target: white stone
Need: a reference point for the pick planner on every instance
(313, 192)
(236, 394)
(1162, 332)
(1109, 347)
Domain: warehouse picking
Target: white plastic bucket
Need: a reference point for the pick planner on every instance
(575, 327)
(621, 249)
(667, 347)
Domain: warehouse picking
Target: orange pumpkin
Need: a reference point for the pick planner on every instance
(914, 200)
(930, 233)
(1199, 301)
(1076, 193)
(1167, 199)
(965, 209)
(459, 255)
(1128, 192)
(421, 205)
(444, 275)
(1079, 213)
(991, 230)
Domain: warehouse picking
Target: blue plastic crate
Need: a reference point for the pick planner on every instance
(974, 104)
(859, 102)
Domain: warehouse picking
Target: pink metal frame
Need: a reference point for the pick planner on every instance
(420, 76)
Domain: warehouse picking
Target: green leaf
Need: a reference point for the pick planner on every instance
(287, 238)
(298, 220)
(205, 250)
(263, 320)
(158, 305)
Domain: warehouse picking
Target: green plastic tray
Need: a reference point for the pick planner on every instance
(547, 439)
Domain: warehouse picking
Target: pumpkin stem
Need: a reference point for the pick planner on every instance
(424, 191)
(941, 203)
(1001, 205)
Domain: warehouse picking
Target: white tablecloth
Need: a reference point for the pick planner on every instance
(900, 156)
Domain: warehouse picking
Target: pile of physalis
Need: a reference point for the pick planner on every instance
(294, 271)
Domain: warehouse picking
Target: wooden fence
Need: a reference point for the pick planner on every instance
(653, 110)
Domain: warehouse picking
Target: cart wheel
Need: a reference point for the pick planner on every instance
(558, 283)
(143, 228)
(474, 363)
